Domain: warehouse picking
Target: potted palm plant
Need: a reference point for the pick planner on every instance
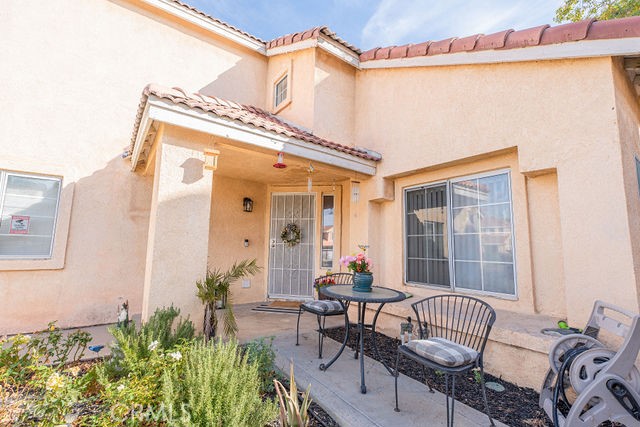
(213, 291)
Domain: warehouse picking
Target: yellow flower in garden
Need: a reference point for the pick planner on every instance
(55, 382)
(75, 370)
(52, 328)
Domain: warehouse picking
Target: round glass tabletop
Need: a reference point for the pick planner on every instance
(378, 294)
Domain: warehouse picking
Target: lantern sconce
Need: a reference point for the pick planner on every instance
(355, 191)
(247, 205)
(211, 159)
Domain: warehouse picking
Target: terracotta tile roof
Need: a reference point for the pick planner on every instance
(312, 33)
(231, 27)
(243, 113)
(589, 29)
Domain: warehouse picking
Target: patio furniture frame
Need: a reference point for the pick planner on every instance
(462, 320)
(339, 279)
(378, 295)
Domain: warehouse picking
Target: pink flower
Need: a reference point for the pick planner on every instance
(360, 257)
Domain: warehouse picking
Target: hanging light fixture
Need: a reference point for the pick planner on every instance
(309, 180)
(280, 163)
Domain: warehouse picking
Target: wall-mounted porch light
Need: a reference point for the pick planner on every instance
(247, 205)
(355, 191)
(211, 158)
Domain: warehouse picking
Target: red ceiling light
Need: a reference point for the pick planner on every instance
(280, 164)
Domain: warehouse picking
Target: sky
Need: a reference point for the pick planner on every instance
(373, 23)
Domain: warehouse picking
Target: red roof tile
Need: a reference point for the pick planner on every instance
(244, 113)
(508, 39)
(231, 27)
(312, 33)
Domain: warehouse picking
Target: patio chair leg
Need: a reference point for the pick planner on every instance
(324, 319)
(426, 380)
(319, 338)
(395, 380)
(484, 396)
(298, 326)
(450, 407)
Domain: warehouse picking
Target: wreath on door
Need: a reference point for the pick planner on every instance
(291, 235)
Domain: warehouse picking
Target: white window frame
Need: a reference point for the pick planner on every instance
(4, 175)
(287, 96)
(452, 280)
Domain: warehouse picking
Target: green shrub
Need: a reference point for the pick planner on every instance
(217, 386)
(260, 353)
(133, 348)
(57, 349)
(16, 363)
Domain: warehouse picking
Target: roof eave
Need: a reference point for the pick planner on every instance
(578, 49)
(164, 111)
(200, 20)
(323, 42)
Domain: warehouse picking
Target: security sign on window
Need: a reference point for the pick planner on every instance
(19, 224)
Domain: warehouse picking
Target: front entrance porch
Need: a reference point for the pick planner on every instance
(204, 167)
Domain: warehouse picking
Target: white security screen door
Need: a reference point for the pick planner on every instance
(291, 267)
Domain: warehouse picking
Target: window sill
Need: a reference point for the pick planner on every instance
(463, 291)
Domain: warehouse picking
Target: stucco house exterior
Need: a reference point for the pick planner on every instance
(502, 165)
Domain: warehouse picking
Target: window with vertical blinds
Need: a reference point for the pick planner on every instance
(28, 211)
(459, 234)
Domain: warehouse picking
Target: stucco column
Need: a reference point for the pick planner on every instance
(178, 237)
(597, 255)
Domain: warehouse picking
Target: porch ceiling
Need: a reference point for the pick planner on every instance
(251, 165)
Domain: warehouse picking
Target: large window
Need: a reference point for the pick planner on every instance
(28, 210)
(459, 234)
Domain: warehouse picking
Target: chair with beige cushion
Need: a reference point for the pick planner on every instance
(453, 333)
(324, 307)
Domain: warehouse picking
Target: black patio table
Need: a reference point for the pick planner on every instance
(378, 295)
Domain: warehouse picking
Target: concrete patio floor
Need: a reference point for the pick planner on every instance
(337, 390)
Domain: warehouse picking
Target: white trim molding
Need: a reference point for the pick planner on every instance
(208, 24)
(579, 49)
(161, 110)
(323, 42)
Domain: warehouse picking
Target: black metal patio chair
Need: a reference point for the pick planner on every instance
(324, 307)
(453, 333)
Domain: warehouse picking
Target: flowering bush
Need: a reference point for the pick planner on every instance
(357, 263)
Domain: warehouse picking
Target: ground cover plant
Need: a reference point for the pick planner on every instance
(158, 374)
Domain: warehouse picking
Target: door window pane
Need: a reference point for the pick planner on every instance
(328, 231)
(28, 210)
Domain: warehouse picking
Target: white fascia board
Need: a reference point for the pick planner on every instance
(579, 49)
(339, 51)
(206, 23)
(143, 129)
(305, 44)
(323, 43)
(178, 115)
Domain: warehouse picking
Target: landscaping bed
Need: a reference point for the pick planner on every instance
(515, 406)
(158, 374)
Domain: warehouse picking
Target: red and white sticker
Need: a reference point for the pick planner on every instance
(19, 224)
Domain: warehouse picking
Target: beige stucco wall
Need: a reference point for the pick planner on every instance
(230, 226)
(554, 116)
(299, 66)
(334, 98)
(72, 78)
(628, 119)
